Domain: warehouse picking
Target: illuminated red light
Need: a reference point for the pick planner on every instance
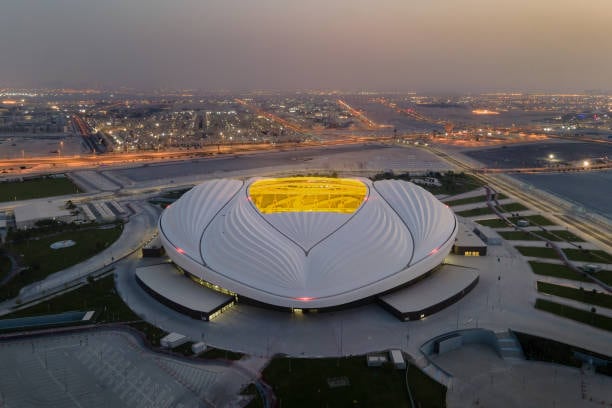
(434, 251)
(180, 251)
(304, 299)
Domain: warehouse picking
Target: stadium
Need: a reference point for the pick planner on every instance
(305, 243)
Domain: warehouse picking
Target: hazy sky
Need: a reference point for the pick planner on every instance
(422, 45)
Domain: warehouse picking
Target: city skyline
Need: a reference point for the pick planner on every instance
(446, 46)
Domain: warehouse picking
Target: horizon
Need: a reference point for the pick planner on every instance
(461, 47)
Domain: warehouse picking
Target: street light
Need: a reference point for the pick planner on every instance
(586, 163)
(551, 156)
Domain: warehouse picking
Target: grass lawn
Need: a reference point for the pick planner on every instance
(176, 193)
(585, 296)
(472, 200)
(303, 383)
(538, 252)
(43, 261)
(541, 349)
(572, 254)
(425, 391)
(36, 188)
(99, 295)
(493, 223)
(5, 266)
(561, 235)
(583, 316)
(221, 354)
(451, 183)
(533, 219)
(257, 401)
(474, 212)
(469, 200)
(557, 271)
(512, 207)
(576, 254)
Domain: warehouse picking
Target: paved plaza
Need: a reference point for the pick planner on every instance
(482, 378)
(503, 299)
(110, 368)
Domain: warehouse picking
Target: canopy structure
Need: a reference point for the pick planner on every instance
(307, 242)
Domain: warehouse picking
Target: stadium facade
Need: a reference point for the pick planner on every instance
(307, 242)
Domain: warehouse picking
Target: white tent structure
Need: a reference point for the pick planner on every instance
(307, 243)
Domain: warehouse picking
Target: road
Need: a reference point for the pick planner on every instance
(369, 123)
(138, 230)
(507, 185)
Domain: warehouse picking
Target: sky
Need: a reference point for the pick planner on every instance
(387, 45)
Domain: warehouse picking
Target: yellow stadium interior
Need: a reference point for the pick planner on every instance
(307, 194)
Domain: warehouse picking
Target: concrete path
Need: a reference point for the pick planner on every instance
(490, 381)
(111, 368)
(139, 229)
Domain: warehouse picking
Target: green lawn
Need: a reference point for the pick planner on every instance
(43, 261)
(604, 276)
(5, 266)
(540, 252)
(472, 200)
(561, 235)
(474, 212)
(576, 254)
(581, 295)
(533, 219)
(303, 383)
(425, 391)
(213, 353)
(557, 271)
(36, 188)
(493, 223)
(452, 183)
(99, 295)
(512, 207)
(541, 349)
(257, 401)
(584, 316)
(469, 200)
(571, 253)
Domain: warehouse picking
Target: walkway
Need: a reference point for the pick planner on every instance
(140, 227)
(110, 367)
(490, 381)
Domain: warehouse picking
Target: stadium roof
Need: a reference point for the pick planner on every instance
(308, 242)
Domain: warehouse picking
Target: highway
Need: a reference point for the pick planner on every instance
(55, 164)
(369, 123)
(575, 221)
(82, 128)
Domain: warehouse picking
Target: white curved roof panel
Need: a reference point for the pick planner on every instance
(309, 254)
